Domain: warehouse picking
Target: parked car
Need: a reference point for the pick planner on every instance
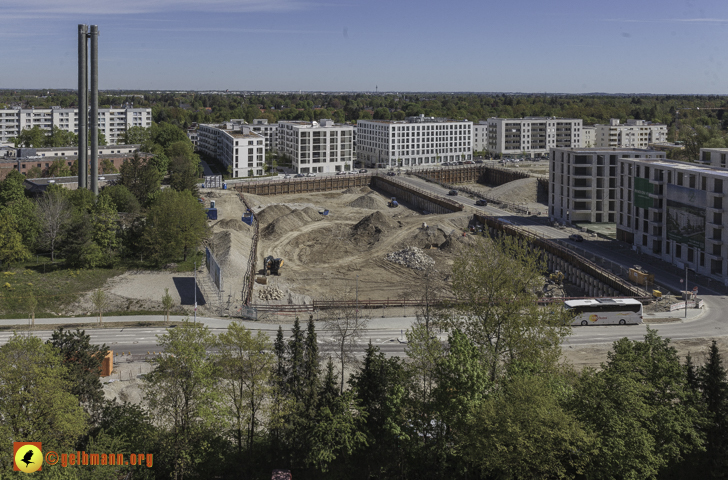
(286, 176)
(311, 175)
(391, 174)
(576, 237)
(363, 170)
(353, 172)
(478, 161)
(469, 162)
(299, 175)
(481, 202)
(341, 173)
(452, 192)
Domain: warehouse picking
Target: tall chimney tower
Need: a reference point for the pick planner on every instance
(82, 106)
(94, 126)
(84, 129)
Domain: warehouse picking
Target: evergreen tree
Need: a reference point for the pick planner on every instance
(311, 371)
(714, 389)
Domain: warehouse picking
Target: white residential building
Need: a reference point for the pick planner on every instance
(316, 147)
(113, 122)
(413, 141)
(480, 136)
(588, 136)
(268, 131)
(583, 183)
(531, 136)
(235, 146)
(675, 211)
(633, 134)
(715, 157)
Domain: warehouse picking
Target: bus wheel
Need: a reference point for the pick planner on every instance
(623, 322)
(584, 323)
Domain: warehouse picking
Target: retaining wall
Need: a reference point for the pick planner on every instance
(303, 185)
(415, 196)
(577, 269)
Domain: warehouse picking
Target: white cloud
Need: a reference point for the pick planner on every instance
(115, 7)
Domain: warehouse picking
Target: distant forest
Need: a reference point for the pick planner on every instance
(697, 120)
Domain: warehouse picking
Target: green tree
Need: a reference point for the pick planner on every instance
(713, 385)
(82, 360)
(107, 167)
(36, 403)
(141, 178)
(176, 224)
(122, 198)
(523, 430)
(136, 136)
(100, 302)
(496, 285)
(31, 137)
(61, 138)
(184, 174)
(12, 248)
(246, 365)
(11, 188)
(59, 168)
(165, 134)
(181, 393)
(167, 303)
(640, 409)
(93, 238)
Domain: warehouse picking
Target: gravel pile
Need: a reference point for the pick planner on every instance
(411, 257)
(270, 293)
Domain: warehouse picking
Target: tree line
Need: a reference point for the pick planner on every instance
(134, 218)
(493, 401)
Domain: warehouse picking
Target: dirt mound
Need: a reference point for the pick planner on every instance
(272, 212)
(232, 224)
(524, 190)
(370, 228)
(371, 201)
(456, 243)
(428, 236)
(289, 222)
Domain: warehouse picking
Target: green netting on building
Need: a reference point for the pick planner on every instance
(642, 190)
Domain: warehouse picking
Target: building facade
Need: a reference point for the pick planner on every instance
(633, 134)
(583, 183)
(113, 122)
(715, 157)
(675, 211)
(111, 157)
(413, 141)
(268, 131)
(317, 147)
(480, 136)
(236, 146)
(532, 136)
(588, 136)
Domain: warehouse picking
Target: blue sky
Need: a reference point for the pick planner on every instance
(642, 46)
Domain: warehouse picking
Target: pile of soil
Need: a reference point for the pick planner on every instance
(456, 242)
(232, 224)
(524, 190)
(411, 257)
(429, 236)
(231, 249)
(371, 201)
(370, 228)
(272, 212)
(290, 222)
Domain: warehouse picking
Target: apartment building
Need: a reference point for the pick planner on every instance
(715, 157)
(675, 211)
(317, 147)
(480, 136)
(532, 136)
(113, 122)
(268, 131)
(583, 184)
(414, 141)
(633, 134)
(235, 145)
(588, 136)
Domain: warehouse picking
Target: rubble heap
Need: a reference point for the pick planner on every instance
(411, 257)
(270, 293)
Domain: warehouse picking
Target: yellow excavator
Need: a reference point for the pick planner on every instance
(557, 277)
(272, 265)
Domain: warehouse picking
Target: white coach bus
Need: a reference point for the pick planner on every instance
(605, 311)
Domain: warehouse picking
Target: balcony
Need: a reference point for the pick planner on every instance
(715, 241)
